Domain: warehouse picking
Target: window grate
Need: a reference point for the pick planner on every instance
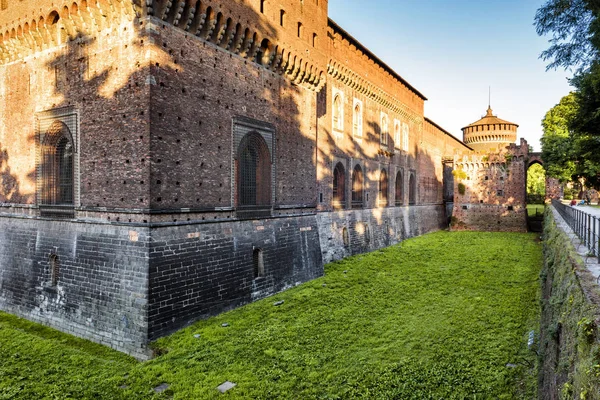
(254, 176)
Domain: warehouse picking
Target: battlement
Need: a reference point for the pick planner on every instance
(285, 39)
(35, 26)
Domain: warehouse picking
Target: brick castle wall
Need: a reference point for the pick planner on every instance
(489, 190)
(102, 281)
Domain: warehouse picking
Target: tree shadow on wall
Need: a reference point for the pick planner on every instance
(10, 191)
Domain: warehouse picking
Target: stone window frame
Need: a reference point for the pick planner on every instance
(240, 127)
(357, 120)
(383, 192)
(384, 129)
(45, 121)
(344, 201)
(399, 202)
(397, 134)
(412, 187)
(362, 202)
(337, 128)
(405, 136)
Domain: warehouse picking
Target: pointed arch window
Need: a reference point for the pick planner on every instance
(56, 180)
(397, 134)
(253, 173)
(383, 188)
(412, 189)
(357, 120)
(405, 136)
(338, 112)
(339, 186)
(357, 187)
(384, 130)
(399, 189)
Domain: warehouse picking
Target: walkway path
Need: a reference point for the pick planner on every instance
(592, 263)
(595, 211)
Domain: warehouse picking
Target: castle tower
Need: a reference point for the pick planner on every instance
(490, 132)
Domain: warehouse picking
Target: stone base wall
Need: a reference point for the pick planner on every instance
(123, 285)
(348, 232)
(489, 218)
(100, 291)
(199, 270)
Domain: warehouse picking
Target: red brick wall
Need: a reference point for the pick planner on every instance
(104, 79)
(482, 176)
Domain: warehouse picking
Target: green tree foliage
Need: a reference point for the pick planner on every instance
(556, 140)
(571, 23)
(571, 142)
(536, 180)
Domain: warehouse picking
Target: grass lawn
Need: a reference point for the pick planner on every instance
(535, 209)
(439, 316)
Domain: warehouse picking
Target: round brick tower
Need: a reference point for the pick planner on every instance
(490, 132)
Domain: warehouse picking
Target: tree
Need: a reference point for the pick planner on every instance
(575, 33)
(536, 184)
(571, 141)
(557, 141)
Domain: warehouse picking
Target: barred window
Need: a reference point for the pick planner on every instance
(399, 187)
(357, 187)
(57, 176)
(383, 188)
(339, 185)
(253, 172)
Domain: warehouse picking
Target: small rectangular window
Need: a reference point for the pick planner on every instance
(281, 17)
(299, 29)
(4, 4)
(262, 6)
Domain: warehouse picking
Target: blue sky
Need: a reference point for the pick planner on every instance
(452, 51)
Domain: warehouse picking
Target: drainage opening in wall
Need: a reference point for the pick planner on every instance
(259, 265)
(54, 264)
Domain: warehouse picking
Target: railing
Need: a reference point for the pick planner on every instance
(585, 225)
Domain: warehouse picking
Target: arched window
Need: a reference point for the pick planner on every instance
(339, 186)
(357, 187)
(357, 121)
(412, 189)
(397, 135)
(337, 113)
(399, 187)
(57, 172)
(384, 131)
(405, 136)
(383, 188)
(253, 166)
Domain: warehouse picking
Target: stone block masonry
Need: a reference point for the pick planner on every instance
(87, 279)
(350, 232)
(199, 270)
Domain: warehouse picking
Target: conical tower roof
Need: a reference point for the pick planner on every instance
(490, 119)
